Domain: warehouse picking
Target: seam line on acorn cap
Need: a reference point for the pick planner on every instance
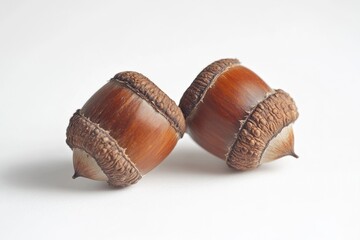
(174, 124)
(233, 63)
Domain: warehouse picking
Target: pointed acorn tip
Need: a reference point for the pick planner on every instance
(76, 175)
(294, 155)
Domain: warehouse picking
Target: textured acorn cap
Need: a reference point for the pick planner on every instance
(260, 137)
(268, 120)
(86, 136)
(91, 143)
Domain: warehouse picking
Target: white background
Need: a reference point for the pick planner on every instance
(55, 54)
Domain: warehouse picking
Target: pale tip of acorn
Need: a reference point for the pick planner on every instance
(76, 175)
(86, 166)
(280, 146)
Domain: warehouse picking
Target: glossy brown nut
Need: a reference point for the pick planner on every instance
(124, 130)
(235, 115)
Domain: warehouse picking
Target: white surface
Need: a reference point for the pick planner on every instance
(55, 54)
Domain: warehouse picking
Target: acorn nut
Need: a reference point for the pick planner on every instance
(235, 115)
(124, 130)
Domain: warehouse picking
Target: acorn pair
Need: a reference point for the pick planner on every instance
(129, 126)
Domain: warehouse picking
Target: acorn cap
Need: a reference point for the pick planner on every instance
(257, 138)
(97, 142)
(90, 141)
(264, 123)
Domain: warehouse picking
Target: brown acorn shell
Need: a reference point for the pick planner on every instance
(147, 90)
(237, 132)
(195, 92)
(128, 117)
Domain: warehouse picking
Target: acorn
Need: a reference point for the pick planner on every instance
(232, 113)
(124, 130)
